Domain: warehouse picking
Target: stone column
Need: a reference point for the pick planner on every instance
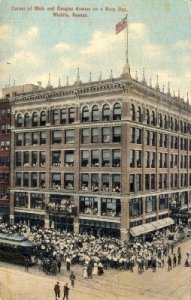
(124, 219)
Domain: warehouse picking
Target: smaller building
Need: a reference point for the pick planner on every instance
(5, 140)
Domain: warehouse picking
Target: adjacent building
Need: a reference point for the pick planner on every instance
(5, 140)
(109, 157)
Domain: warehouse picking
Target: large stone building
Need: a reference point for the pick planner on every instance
(5, 141)
(111, 156)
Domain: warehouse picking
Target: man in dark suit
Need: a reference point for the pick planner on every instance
(57, 290)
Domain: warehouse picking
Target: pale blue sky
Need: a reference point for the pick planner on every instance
(36, 43)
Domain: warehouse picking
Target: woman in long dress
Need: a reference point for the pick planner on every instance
(95, 269)
(85, 274)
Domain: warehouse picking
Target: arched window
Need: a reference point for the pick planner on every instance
(19, 121)
(153, 118)
(139, 117)
(171, 123)
(43, 118)
(160, 121)
(85, 114)
(181, 126)
(165, 122)
(35, 119)
(175, 124)
(147, 116)
(95, 113)
(132, 112)
(117, 111)
(27, 120)
(106, 112)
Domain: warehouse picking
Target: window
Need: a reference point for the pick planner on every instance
(94, 182)
(153, 181)
(56, 136)
(153, 159)
(132, 158)
(26, 120)
(85, 136)
(42, 137)
(95, 158)
(95, 135)
(106, 112)
(139, 115)
(132, 135)
(117, 111)
(56, 180)
(69, 136)
(165, 122)
(19, 139)
(25, 179)
(42, 180)
(116, 183)
(37, 201)
(26, 159)
(42, 159)
(132, 183)
(18, 159)
(135, 207)
(139, 158)
(43, 118)
(34, 158)
(147, 159)
(18, 179)
(116, 159)
(153, 119)
(139, 136)
(21, 199)
(147, 137)
(116, 134)
(150, 204)
(34, 179)
(110, 207)
(71, 118)
(56, 158)
(132, 112)
(84, 182)
(69, 181)
(106, 158)
(34, 138)
(147, 117)
(105, 182)
(160, 120)
(34, 119)
(63, 116)
(95, 113)
(88, 205)
(19, 122)
(153, 138)
(106, 135)
(84, 158)
(147, 182)
(69, 158)
(26, 139)
(138, 182)
(85, 114)
(55, 117)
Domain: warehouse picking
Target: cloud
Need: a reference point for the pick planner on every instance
(153, 51)
(137, 30)
(5, 32)
(23, 59)
(61, 47)
(27, 37)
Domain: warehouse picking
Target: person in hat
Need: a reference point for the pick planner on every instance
(66, 292)
(57, 290)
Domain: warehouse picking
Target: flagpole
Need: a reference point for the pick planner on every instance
(126, 68)
(127, 42)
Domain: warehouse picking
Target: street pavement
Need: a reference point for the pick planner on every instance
(16, 284)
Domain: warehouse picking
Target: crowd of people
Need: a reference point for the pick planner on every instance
(96, 254)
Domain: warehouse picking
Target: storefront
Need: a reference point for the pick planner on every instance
(29, 219)
(100, 228)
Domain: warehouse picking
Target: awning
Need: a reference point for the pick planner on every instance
(152, 226)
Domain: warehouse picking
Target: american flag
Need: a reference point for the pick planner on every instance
(121, 25)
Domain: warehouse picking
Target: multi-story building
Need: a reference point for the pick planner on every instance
(111, 156)
(5, 137)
